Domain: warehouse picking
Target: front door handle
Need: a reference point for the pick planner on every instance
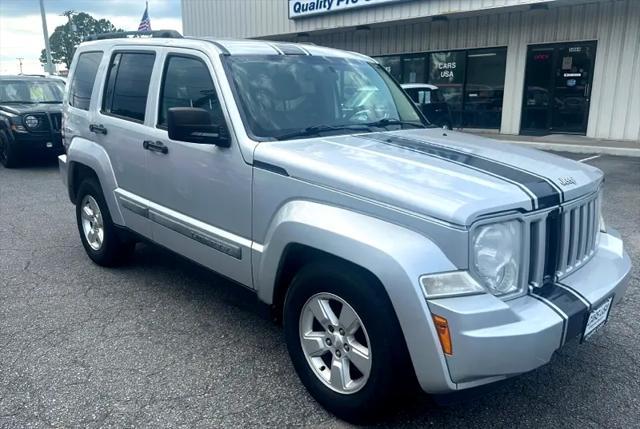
(98, 129)
(156, 146)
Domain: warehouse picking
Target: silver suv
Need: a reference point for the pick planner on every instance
(392, 251)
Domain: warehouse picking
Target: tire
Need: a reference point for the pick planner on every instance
(375, 395)
(9, 156)
(106, 247)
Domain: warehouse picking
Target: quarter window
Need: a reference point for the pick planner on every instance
(128, 85)
(83, 79)
(187, 83)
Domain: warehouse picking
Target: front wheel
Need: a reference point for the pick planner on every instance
(8, 153)
(99, 235)
(345, 341)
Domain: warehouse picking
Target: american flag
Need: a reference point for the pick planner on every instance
(145, 22)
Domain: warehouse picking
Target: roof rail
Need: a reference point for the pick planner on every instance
(167, 34)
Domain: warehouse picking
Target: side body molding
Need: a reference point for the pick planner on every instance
(395, 255)
(86, 152)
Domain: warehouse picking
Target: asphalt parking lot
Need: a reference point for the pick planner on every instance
(163, 342)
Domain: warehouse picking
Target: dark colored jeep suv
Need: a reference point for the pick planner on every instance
(30, 117)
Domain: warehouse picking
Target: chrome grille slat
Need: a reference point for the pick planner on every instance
(538, 236)
(584, 218)
(565, 245)
(575, 238)
(591, 212)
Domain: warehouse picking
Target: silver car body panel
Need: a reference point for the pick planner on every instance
(399, 204)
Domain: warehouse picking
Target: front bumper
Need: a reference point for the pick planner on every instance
(39, 143)
(63, 166)
(494, 339)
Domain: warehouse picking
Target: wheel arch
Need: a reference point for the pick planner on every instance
(88, 159)
(294, 257)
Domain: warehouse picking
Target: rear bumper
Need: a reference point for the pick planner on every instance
(494, 339)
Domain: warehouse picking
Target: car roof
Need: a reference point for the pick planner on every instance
(229, 47)
(418, 86)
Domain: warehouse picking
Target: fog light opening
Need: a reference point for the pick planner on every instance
(442, 327)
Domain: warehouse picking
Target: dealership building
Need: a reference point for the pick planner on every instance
(530, 67)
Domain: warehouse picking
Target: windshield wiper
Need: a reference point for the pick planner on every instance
(317, 129)
(386, 122)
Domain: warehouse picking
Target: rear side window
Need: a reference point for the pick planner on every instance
(83, 79)
(128, 85)
(187, 83)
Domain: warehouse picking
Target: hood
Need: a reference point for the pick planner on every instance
(449, 175)
(20, 108)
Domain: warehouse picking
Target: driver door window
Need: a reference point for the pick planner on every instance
(187, 83)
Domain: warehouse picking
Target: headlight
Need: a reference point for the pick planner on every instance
(496, 254)
(31, 121)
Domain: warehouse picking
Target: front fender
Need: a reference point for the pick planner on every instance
(92, 155)
(395, 255)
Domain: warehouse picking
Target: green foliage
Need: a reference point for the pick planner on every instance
(63, 41)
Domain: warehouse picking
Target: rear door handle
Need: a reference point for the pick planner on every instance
(156, 146)
(98, 129)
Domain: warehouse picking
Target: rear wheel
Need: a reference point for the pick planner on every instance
(8, 152)
(345, 341)
(99, 235)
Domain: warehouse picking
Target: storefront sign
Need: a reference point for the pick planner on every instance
(304, 8)
(447, 67)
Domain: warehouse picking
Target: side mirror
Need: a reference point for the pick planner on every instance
(193, 125)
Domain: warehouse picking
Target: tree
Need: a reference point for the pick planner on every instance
(63, 41)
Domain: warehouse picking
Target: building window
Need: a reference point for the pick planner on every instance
(484, 88)
(471, 82)
(393, 66)
(413, 69)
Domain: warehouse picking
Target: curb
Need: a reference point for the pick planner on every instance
(561, 147)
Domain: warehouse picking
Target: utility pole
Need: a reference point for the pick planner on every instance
(49, 67)
(20, 61)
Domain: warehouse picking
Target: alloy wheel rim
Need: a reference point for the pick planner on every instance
(92, 223)
(335, 343)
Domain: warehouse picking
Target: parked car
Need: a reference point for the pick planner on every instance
(430, 101)
(393, 251)
(30, 117)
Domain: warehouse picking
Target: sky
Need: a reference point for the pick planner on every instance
(21, 25)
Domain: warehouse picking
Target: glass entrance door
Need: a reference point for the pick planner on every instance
(557, 88)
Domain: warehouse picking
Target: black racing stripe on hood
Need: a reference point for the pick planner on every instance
(542, 193)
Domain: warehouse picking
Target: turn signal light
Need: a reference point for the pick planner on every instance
(442, 326)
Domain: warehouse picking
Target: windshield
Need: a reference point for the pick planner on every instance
(24, 91)
(282, 96)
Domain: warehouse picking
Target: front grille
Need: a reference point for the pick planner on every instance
(562, 240)
(580, 227)
(56, 121)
